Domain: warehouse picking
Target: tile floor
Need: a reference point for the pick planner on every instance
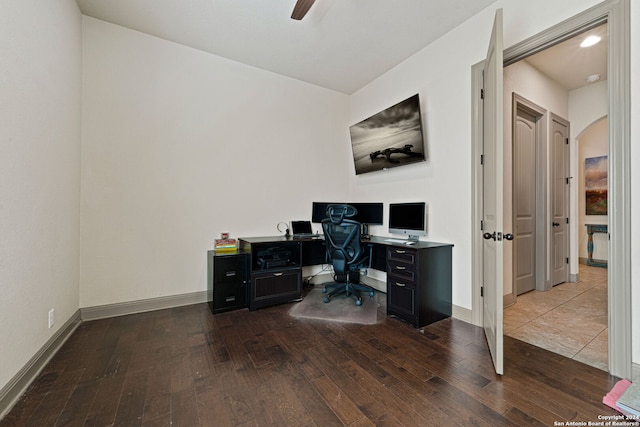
(570, 319)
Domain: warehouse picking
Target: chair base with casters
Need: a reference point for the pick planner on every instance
(344, 285)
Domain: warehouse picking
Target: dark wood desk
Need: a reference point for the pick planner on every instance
(418, 275)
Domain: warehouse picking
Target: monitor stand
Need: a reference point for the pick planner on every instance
(364, 233)
(413, 238)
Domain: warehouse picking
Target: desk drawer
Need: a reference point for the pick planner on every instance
(230, 269)
(407, 256)
(401, 271)
(229, 296)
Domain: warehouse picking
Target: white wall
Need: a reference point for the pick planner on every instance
(40, 76)
(527, 81)
(587, 106)
(442, 78)
(179, 145)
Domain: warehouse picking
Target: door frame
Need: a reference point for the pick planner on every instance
(616, 13)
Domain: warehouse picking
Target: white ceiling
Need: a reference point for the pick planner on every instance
(569, 64)
(340, 44)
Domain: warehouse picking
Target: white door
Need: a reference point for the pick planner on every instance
(524, 199)
(492, 194)
(560, 196)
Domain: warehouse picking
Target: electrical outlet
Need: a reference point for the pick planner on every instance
(52, 318)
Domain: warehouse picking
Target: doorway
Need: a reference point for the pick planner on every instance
(615, 13)
(553, 319)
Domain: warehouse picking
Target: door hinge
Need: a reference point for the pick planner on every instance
(481, 225)
(566, 220)
(567, 260)
(481, 93)
(482, 159)
(567, 180)
(481, 291)
(566, 140)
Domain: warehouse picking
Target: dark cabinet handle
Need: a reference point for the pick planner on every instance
(489, 236)
(555, 224)
(508, 236)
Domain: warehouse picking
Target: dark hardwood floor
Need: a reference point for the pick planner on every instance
(187, 367)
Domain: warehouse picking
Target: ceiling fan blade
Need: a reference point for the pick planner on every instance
(301, 8)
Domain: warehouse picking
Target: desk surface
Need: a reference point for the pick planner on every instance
(378, 240)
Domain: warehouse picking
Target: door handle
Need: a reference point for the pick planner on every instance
(555, 224)
(507, 236)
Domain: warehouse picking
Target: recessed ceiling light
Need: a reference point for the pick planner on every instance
(593, 78)
(590, 41)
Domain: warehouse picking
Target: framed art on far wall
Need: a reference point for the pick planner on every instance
(595, 185)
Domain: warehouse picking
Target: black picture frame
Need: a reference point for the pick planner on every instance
(390, 138)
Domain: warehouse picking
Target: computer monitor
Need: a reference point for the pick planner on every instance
(409, 219)
(319, 211)
(368, 213)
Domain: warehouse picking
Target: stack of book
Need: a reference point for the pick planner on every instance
(225, 245)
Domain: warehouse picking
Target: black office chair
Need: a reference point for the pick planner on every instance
(345, 252)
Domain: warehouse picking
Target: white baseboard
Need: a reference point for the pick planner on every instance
(141, 306)
(508, 299)
(461, 313)
(12, 391)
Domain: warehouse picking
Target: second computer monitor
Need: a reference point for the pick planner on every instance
(368, 213)
(409, 219)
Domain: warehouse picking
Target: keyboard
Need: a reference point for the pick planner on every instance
(400, 241)
(395, 240)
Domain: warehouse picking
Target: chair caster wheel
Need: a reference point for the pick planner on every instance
(358, 302)
(326, 299)
(324, 290)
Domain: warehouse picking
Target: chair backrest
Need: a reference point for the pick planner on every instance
(342, 237)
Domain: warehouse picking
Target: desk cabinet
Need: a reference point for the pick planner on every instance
(227, 281)
(275, 270)
(275, 287)
(419, 284)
